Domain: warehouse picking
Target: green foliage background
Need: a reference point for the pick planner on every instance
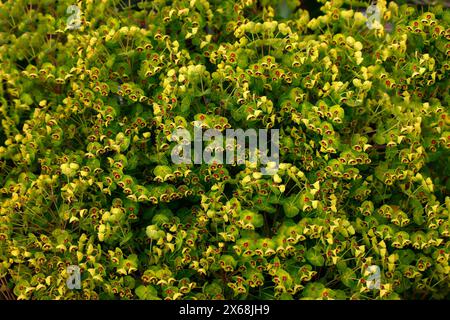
(86, 175)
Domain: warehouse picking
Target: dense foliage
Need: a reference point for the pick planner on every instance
(87, 179)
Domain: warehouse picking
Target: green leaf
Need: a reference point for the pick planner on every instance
(127, 238)
(406, 257)
(349, 279)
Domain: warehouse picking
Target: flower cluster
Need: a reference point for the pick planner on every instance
(87, 115)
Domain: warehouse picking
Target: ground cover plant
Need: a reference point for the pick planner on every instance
(91, 92)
